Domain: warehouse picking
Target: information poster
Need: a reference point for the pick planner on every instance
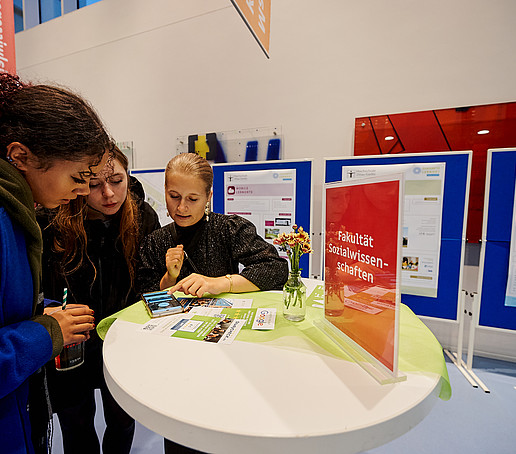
(264, 197)
(362, 263)
(510, 294)
(422, 221)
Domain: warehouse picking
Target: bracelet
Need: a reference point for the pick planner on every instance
(228, 276)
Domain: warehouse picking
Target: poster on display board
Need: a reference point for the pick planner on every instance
(510, 293)
(267, 198)
(362, 263)
(422, 221)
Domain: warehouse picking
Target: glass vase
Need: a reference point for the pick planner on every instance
(294, 298)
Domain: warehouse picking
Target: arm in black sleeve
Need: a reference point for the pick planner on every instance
(262, 264)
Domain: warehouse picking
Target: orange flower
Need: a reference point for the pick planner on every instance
(295, 244)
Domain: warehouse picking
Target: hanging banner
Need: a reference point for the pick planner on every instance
(257, 16)
(362, 263)
(7, 55)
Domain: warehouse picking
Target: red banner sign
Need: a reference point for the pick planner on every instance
(362, 265)
(7, 55)
(257, 16)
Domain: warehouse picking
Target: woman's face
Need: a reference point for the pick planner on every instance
(60, 183)
(186, 198)
(108, 190)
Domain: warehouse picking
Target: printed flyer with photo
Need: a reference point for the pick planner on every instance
(212, 323)
(217, 329)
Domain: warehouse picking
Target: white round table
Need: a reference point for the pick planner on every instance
(258, 398)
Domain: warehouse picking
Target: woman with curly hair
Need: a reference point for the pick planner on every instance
(51, 144)
(90, 247)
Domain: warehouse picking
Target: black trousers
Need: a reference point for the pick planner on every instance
(78, 429)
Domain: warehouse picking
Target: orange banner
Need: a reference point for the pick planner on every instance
(257, 15)
(7, 55)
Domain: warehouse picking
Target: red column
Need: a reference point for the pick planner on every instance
(7, 54)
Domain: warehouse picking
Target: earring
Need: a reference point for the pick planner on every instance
(15, 164)
(207, 212)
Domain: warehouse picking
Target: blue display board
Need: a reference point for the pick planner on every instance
(455, 200)
(496, 240)
(303, 195)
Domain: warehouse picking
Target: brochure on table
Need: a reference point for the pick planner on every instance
(267, 198)
(362, 270)
(216, 320)
(422, 221)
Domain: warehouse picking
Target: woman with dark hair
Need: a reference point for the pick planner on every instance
(51, 144)
(90, 247)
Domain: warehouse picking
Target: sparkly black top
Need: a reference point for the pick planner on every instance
(216, 248)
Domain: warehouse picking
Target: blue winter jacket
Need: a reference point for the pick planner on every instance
(27, 342)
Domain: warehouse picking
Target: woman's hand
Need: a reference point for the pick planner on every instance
(174, 262)
(198, 285)
(75, 321)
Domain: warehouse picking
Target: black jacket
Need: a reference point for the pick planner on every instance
(106, 292)
(219, 246)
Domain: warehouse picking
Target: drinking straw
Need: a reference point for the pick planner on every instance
(65, 295)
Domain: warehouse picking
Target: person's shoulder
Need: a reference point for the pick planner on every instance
(233, 225)
(229, 219)
(226, 221)
(146, 208)
(136, 188)
(164, 232)
(148, 214)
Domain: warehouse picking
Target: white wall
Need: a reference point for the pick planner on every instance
(168, 68)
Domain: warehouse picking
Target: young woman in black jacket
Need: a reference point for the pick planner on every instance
(97, 265)
(201, 252)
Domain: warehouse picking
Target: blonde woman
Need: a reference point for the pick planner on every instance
(200, 252)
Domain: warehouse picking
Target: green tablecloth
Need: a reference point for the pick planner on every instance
(419, 349)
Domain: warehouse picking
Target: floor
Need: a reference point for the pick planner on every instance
(472, 421)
